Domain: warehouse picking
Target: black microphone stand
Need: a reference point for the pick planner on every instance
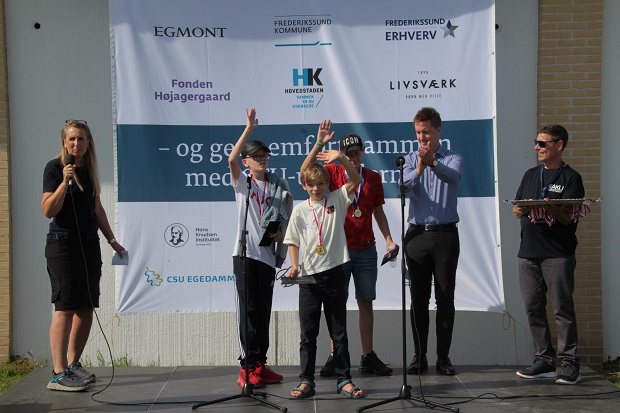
(405, 391)
(248, 388)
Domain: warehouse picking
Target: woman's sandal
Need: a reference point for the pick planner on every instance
(350, 393)
(304, 392)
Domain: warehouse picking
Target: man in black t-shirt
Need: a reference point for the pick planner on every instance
(547, 256)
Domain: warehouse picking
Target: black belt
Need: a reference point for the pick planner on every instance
(434, 227)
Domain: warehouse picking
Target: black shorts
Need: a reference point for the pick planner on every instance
(74, 285)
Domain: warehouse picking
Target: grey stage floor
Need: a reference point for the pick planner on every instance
(488, 389)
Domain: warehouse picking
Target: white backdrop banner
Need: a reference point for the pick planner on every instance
(184, 73)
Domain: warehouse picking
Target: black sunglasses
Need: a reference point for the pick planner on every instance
(71, 122)
(543, 144)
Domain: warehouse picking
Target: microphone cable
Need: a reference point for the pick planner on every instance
(77, 224)
(400, 162)
(92, 396)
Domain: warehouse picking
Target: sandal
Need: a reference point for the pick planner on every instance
(304, 392)
(350, 393)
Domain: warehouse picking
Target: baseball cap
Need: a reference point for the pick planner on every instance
(252, 146)
(351, 142)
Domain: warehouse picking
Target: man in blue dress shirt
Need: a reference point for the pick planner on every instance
(431, 178)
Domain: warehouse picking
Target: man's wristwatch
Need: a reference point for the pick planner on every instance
(434, 164)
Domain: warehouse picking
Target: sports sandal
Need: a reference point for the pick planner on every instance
(303, 392)
(349, 393)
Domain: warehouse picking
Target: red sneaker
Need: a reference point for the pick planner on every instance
(267, 375)
(255, 379)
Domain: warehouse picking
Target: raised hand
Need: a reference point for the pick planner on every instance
(251, 122)
(329, 156)
(324, 135)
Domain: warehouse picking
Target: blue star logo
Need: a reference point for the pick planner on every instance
(449, 30)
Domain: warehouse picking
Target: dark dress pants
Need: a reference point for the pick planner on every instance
(432, 258)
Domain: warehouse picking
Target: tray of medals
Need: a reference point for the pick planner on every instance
(543, 202)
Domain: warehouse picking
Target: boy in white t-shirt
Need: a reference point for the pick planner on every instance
(269, 200)
(316, 228)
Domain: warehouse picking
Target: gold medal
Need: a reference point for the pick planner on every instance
(357, 213)
(320, 249)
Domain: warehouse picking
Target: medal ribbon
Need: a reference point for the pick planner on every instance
(316, 219)
(260, 203)
(358, 190)
(539, 213)
(546, 187)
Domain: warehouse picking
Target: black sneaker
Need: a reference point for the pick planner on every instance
(329, 369)
(66, 381)
(79, 372)
(569, 374)
(539, 369)
(370, 363)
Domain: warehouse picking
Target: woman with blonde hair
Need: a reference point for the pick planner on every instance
(71, 199)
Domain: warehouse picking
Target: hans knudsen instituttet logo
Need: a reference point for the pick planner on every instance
(176, 235)
(153, 278)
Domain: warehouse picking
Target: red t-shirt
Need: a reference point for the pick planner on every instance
(359, 230)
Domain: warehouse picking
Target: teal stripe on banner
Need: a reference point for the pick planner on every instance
(190, 163)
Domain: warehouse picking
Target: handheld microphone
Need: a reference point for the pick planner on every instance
(400, 161)
(69, 159)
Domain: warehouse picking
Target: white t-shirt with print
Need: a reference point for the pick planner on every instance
(303, 231)
(259, 198)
